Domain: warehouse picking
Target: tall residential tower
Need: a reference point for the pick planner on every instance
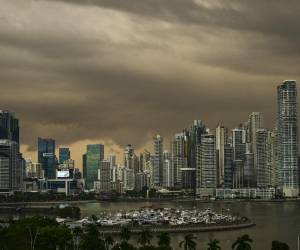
(288, 166)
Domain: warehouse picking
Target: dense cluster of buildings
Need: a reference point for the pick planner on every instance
(249, 161)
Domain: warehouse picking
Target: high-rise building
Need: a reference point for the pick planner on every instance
(94, 154)
(46, 157)
(64, 155)
(84, 166)
(287, 117)
(206, 172)
(273, 157)
(33, 169)
(228, 166)
(249, 171)
(238, 173)
(157, 167)
(262, 166)
(128, 156)
(193, 138)
(179, 157)
(12, 167)
(9, 126)
(239, 144)
(145, 161)
(128, 178)
(168, 174)
(221, 141)
(112, 159)
(188, 179)
(141, 181)
(255, 122)
(104, 176)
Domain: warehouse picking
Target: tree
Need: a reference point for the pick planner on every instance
(189, 242)
(91, 240)
(213, 245)
(164, 241)
(242, 243)
(77, 233)
(145, 237)
(109, 241)
(277, 245)
(125, 234)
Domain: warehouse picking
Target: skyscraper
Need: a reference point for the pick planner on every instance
(104, 176)
(239, 144)
(94, 154)
(228, 166)
(206, 173)
(255, 122)
(64, 154)
(12, 166)
(157, 160)
(287, 117)
(179, 157)
(9, 126)
(193, 138)
(262, 166)
(46, 157)
(221, 141)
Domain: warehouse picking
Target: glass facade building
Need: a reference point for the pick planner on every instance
(64, 155)
(288, 166)
(9, 126)
(46, 157)
(94, 154)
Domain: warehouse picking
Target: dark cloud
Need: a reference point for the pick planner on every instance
(121, 71)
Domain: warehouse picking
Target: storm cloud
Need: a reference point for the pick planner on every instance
(119, 72)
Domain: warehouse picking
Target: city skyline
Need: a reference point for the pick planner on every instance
(151, 69)
(148, 146)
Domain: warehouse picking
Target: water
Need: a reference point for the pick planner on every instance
(275, 220)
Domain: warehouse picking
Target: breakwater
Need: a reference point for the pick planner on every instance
(179, 228)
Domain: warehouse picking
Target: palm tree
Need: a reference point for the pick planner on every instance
(213, 245)
(77, 232)
(145, 237)
(242, 243)
(125, 234)
(109, 241)
(277, 245)
(189, 242)
(164, 239)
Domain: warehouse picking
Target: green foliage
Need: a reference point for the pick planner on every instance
(145, 237)
(42, 233)
(242, 243)
(189, 242)
(213, 245)
(91, 240)
(277, 245)
(125, 234)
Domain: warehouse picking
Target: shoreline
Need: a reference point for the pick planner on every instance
(51, 203)
(180, 229)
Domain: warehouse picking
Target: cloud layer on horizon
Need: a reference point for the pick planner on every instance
(121, 71)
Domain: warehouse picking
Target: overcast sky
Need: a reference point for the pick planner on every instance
(120, 71)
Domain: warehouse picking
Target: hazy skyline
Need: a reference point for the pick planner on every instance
(118, 72)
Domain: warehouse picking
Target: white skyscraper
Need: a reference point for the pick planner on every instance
(206, 173)
(157, 168)
(221, 141)
(288, 166)
(179, 157)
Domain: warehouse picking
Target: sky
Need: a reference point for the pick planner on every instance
(121, 71)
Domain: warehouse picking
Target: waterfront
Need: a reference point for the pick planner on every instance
(275, 220)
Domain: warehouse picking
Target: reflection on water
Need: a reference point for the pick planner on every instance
(275, 220)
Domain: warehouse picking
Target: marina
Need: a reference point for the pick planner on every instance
(162, 220)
